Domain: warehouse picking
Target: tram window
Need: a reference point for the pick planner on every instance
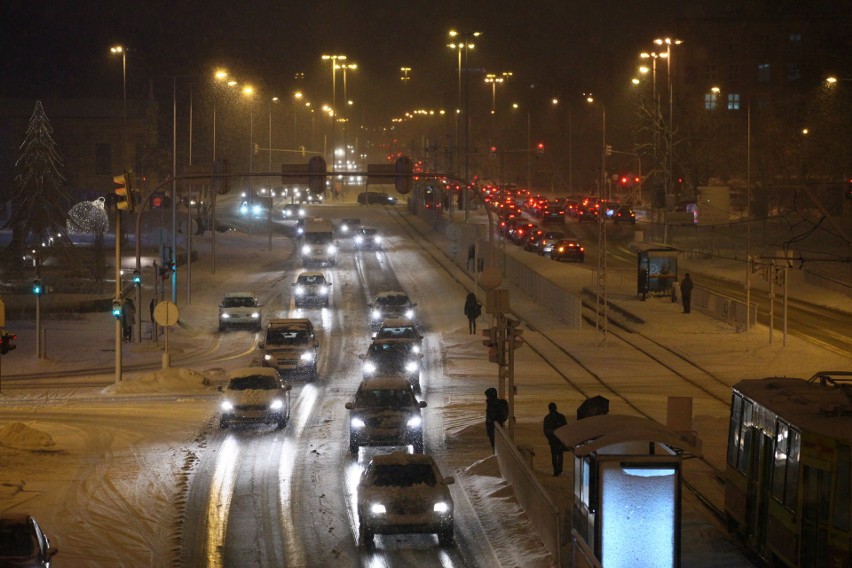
(842, 499)
(740, 433)
(785, 471)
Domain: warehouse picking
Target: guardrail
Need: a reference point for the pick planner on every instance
(531, 495)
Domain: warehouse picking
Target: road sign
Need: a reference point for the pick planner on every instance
(166, 314)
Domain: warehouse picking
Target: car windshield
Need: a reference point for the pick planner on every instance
(311, 280)
(396, 333)
(386, 350)
(369, 232)
(253, 382)
(403, 475)
(17, 540)
(392, 300)
(243, 302)
(386, 398)
(286, 337)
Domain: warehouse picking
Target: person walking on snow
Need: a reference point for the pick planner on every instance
(496, 410)
(472, 309)
(686, 292)
(552, 421)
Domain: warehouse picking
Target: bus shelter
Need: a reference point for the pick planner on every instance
(627, 489)
(657, 269)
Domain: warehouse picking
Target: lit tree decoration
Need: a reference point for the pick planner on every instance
(88, 217)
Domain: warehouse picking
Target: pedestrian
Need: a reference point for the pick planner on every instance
(496, 410)
(128, 318)
(686, 292)
(552, 421)
(472, 309)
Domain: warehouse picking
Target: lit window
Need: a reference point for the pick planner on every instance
(734, 101)
(763, 74)
(795, 37)
(710, 101)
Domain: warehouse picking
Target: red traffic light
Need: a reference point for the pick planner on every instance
(624, 180)
(540, 148)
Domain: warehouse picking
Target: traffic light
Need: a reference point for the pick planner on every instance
(38, 289)
(539, 149)
(124, 191)
(116, 309)
(624, 180)
(6, 340)
(404, 169)
(493, 152)
(137, 278)
(316, 175)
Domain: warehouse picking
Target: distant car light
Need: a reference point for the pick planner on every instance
(276, 404)
(307, 356)
(324, 291)
(357, 422)
(225, 316)
(226, 405)
(376, 314)
(300, 290)
(414, 422)
(359, 239)
(306, 249)
(441, 507)
(255, 315)
(409, 313)
(369, 367)
(377, 509)
(332, 249)
(411, 366)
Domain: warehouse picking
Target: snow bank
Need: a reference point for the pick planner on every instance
(171, 380)
(19, 436)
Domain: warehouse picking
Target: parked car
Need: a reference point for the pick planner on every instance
(391, 304)
(385, 412)
(404, 493)
(240, 309)
(568, 249)
(378, 197)
(368, 238)
(23, 543)
(290, 346)
(311, 288)
(255, 395)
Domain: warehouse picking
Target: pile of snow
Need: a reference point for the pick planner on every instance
(19, 436)
(171, 380)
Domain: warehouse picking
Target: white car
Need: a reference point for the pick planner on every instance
(240, 309)
(255, 395)
(311, 288)
(403, 493)
(391, 304)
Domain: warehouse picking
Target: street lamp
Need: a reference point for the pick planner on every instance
(121, 50)
(347, 102)
(334, 59)
(465, 43)
(248, 93)
(669, 42)
(601, 300)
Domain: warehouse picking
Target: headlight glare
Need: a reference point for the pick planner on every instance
(357, 422)
(414, 422)
(268, 357)
(332, 249)
(276, 404)
(255, 315)
(306, 249)
(377, 509)
(441, 507)
(369, 367)
(226, 405)
(300, 290)
(307, 356)
(376, 314)
(411, 366)
(409, 313)
(225, 316)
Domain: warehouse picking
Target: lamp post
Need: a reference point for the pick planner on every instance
(601, 305)
(248, 93)
(346, 103)
(493, 79)
(121, 50)
(465, 44)
(669, 42)
(334, 59)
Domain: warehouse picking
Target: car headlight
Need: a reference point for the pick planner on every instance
(377, 239)
(227, 406)
(414, 422)
(276, 404)
(255, 315)
(225, 316)
(306, 249)
(300, 290)
(268, 357)
(344, 229)
(332, 249)
(243, 209)
(307, 356)
(324, 291)
(301, 212)
(415, 349)
(411, 366)
(255, 209)
(357, 422)
(377, 509)
(409, 313)
(441, 507)
(369, 367)
(359, 239)
(376, 314)
(300, 231)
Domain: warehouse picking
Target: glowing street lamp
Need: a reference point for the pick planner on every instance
(669, 42)
(464, 43)
(334, 59)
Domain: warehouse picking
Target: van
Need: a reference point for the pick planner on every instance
(318, 244)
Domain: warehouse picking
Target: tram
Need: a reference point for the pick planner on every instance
(787, 490)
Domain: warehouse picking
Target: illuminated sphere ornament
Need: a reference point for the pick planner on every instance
(88, 217)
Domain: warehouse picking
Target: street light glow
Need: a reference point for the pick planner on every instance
(117, 49)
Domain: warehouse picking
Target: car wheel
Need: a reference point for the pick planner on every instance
(366, 536)
(446, 538)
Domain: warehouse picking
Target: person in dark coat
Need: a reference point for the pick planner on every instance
(128, 318)
(552, 421)
(686, 292)
(472, 309)
(496, 410)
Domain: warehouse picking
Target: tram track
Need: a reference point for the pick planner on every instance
(660, 354)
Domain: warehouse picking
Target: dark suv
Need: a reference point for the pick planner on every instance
(385, 412)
